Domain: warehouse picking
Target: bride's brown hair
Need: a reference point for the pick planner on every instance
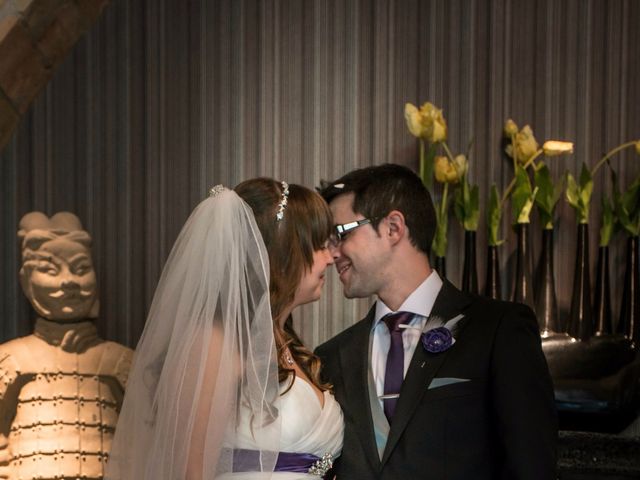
(291, 242)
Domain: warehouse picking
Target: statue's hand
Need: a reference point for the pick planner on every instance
(5, 457)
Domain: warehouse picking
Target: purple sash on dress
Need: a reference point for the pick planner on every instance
(249, 461)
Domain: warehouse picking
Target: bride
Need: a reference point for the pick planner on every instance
(221, 385)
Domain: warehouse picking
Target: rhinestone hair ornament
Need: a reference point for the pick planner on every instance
(283, 201)
(216, 190)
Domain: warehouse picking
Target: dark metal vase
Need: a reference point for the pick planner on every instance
(580, 317)
(629, 321)
(545, 291)
(523, 284)
(492, 284)
(441, 266)
(470, 271)
(602, 295)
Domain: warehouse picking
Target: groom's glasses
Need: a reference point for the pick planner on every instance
(341, 231)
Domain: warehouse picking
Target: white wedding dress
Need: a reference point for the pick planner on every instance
(306, 427)
(202, 394)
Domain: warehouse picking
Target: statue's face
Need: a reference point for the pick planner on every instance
(62, 283)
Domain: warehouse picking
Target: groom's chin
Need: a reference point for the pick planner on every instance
(352, 293)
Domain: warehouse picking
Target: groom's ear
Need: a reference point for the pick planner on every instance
(396, 227)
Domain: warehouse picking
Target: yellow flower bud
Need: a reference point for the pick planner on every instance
(554, 147)
(434, 123)
(510, 128)
(638, 147)
(461, 165)
(414, 120)
(525, 144)
(444, 170)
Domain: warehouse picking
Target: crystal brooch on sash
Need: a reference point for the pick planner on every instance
(322, 466)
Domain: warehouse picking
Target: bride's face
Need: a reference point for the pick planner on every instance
(310, 286)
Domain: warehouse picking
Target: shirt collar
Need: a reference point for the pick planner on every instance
(420, 301)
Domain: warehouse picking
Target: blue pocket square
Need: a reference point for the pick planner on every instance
(441, 382)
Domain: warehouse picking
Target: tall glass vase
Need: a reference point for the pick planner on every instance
(470, 271)
(629, 322)
(492, 284)
(580, 320)
(602, 296)
(523, 287)
(545, 291)
(441, 266)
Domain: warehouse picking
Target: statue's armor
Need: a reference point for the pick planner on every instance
(60, 399)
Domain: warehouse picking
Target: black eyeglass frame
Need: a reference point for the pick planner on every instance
(342, 230)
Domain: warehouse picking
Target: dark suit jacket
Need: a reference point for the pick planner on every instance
(499, 425)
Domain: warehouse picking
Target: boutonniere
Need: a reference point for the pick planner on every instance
(437, 335)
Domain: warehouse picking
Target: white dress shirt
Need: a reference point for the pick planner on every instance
(420, 302)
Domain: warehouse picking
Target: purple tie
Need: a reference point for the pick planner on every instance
(394, 372)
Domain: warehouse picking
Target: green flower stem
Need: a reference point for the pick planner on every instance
(514, 158)
(611, 154)
(446, 149)
(423, 167)
(511, 185)
(443, 207)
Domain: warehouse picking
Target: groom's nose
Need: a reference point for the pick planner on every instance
(334, 250)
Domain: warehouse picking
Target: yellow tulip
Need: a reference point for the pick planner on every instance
(414, 120)
(525, 145)
(461, 165)
(554, 147)
(434, 123)
(444, 170)
(510, 128)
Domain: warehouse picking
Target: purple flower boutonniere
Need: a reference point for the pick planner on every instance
(437, 337)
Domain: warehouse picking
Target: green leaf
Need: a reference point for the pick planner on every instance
(526, 209)
(579, 196)
(585, 176)
(439, 245)
(466, 205)
(626, 205)
(631, 197)
(473, 218)
(608, 221)
(521, 193)
(426, 164)
(559, 188)
(458, 203)
(494, 216)
(545, 197)
(573, 193)
(548, 194)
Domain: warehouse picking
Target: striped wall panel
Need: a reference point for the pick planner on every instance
(165, 98)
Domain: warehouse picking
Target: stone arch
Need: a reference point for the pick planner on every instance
(35, 36)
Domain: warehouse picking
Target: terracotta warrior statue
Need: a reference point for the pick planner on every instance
(61, 388)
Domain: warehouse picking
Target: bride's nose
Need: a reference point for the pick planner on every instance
(328, 256)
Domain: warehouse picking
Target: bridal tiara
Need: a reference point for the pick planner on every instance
(283, 201)
(218, 189)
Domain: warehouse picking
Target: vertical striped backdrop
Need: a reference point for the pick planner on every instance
(164, 98)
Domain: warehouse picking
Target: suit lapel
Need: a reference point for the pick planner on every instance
(424, 366)
(354, 359)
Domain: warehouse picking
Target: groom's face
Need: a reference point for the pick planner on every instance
(362, 256)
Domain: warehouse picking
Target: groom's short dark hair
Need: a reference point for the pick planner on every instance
(382, 188)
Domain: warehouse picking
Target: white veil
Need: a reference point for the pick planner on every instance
(207, 352)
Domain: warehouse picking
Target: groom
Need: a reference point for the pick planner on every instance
(469, 399)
